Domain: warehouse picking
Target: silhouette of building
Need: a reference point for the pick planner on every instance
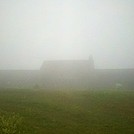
(67, 73)
(62, 74)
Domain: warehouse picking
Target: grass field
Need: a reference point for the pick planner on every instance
(69, 112)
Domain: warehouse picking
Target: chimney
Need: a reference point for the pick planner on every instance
(91, 61)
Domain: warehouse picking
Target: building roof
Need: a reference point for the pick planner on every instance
(67, 64)
(67, 67)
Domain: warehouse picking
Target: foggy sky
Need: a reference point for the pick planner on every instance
(32, 31)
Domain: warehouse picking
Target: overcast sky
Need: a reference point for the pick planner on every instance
(32, 31)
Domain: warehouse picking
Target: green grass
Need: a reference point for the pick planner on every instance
(71, 112)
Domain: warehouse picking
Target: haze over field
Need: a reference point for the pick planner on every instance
(32, 31)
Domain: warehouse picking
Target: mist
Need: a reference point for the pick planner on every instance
(32, 31)
(66, 66)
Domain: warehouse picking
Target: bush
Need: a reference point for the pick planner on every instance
(11, 124)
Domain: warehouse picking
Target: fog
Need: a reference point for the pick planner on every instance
(32, 31)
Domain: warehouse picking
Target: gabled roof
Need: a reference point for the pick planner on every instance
(67, 64)
(67, 68)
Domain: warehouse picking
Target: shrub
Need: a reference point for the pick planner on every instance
(10, 124)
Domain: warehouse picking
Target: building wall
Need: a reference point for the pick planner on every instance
(72, 74)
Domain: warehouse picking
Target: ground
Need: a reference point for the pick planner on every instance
(70, 111)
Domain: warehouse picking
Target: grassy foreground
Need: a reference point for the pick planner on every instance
(67, 112)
